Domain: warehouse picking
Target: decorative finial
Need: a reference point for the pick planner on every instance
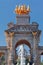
(22, 9)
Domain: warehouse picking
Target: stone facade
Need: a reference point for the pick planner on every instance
(22, 33)
(28, 34)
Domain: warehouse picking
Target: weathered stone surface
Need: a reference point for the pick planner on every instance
(17, 34)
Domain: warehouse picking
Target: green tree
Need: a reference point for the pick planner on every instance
(2, 60)
(27, 61)
(41, 63)
(18, 61)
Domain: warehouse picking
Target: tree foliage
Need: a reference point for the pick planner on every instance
(2, 60)
(41, 63)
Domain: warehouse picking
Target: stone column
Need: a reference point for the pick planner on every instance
(6, 56)
(8, 42)
(35, 47)
(9, 38)
(38, 60)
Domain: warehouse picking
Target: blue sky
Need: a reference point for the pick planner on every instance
(7, 15)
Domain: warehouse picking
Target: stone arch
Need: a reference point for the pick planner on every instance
(19, 42)
(41, 56)
(41, 53)
(23, 42)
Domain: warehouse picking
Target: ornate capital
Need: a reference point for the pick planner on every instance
(34, 33)
(7, 34)
(11, 34)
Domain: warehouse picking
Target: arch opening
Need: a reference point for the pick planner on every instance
(26, 48)
(42, 58)
(22, 42)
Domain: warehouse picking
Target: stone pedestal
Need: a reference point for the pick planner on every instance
(23, 19)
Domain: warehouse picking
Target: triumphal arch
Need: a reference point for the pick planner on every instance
(23, 32)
